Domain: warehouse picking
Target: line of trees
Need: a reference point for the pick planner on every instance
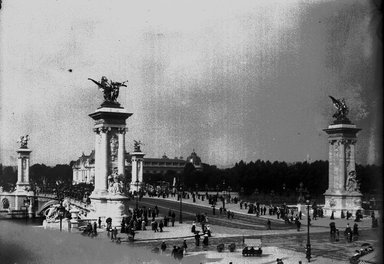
(39, 175)
(248, 178)
(277, 177)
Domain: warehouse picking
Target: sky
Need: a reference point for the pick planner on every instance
(232, 80)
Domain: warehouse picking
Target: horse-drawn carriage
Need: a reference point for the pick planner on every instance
(252, 247)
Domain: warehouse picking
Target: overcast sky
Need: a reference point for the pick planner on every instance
(234, 80)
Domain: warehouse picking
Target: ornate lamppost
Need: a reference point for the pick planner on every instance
(137, 194)
(61, 214)
(26, 204)
(308, 248)
(224, 194)
(181, 204)
(137, 186)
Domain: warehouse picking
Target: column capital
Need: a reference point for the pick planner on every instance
(104, 129)
(122, 130)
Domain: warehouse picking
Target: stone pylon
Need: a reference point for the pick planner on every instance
(107, 198)
(343, 193)
(137, 170)
(23, 163)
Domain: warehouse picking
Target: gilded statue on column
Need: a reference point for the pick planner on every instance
(342, 110)
(109, 88)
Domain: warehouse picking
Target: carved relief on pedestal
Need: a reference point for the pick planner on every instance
(351, 183)
(114, 145)
(357, 202)
(332, 202)
(115, 184)
(348, 156)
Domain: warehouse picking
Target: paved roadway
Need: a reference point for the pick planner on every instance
(190, 210)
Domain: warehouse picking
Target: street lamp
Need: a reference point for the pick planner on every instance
(26, 204)
(181, 204)
(308, 249)
(61, 214)
(224, 194)
(137, 195)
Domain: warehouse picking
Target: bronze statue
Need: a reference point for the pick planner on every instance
(23, 141)
(137, 145)
(342, 110)
(110, 89)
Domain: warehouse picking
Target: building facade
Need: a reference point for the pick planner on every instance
(84, 167)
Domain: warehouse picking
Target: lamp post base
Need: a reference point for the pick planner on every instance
(308, 252)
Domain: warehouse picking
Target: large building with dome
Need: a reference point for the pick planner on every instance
(84, 167)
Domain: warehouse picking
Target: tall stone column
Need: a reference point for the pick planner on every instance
(341, 166)
(27, 170)
(99, 173)
(19, 171)
(121, 152)
(104, 159)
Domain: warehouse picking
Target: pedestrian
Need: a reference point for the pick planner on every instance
(95, 228)
(348, 233)
(269, 224)
(185, 247)
(355, 230)
(174, 252)
(208, 230)
(109, 223)
(205, 240)
(161, 225)
(163, 247)
(156, 211)
(99, 222)
(298, 224)
(173, 218)
(193, 228)
(300, 215)
(197, 239)
(115, 232)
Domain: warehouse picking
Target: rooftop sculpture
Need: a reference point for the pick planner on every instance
(23, 141)
(342, 110)
(137, 145)
(109, 88)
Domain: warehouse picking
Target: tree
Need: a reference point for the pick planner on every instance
(38, 174)
(8, 178)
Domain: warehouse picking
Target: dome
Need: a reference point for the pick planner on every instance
(194, 159)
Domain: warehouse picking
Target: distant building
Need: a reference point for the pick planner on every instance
(84, 167)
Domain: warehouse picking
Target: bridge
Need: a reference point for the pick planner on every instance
(13, 204)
